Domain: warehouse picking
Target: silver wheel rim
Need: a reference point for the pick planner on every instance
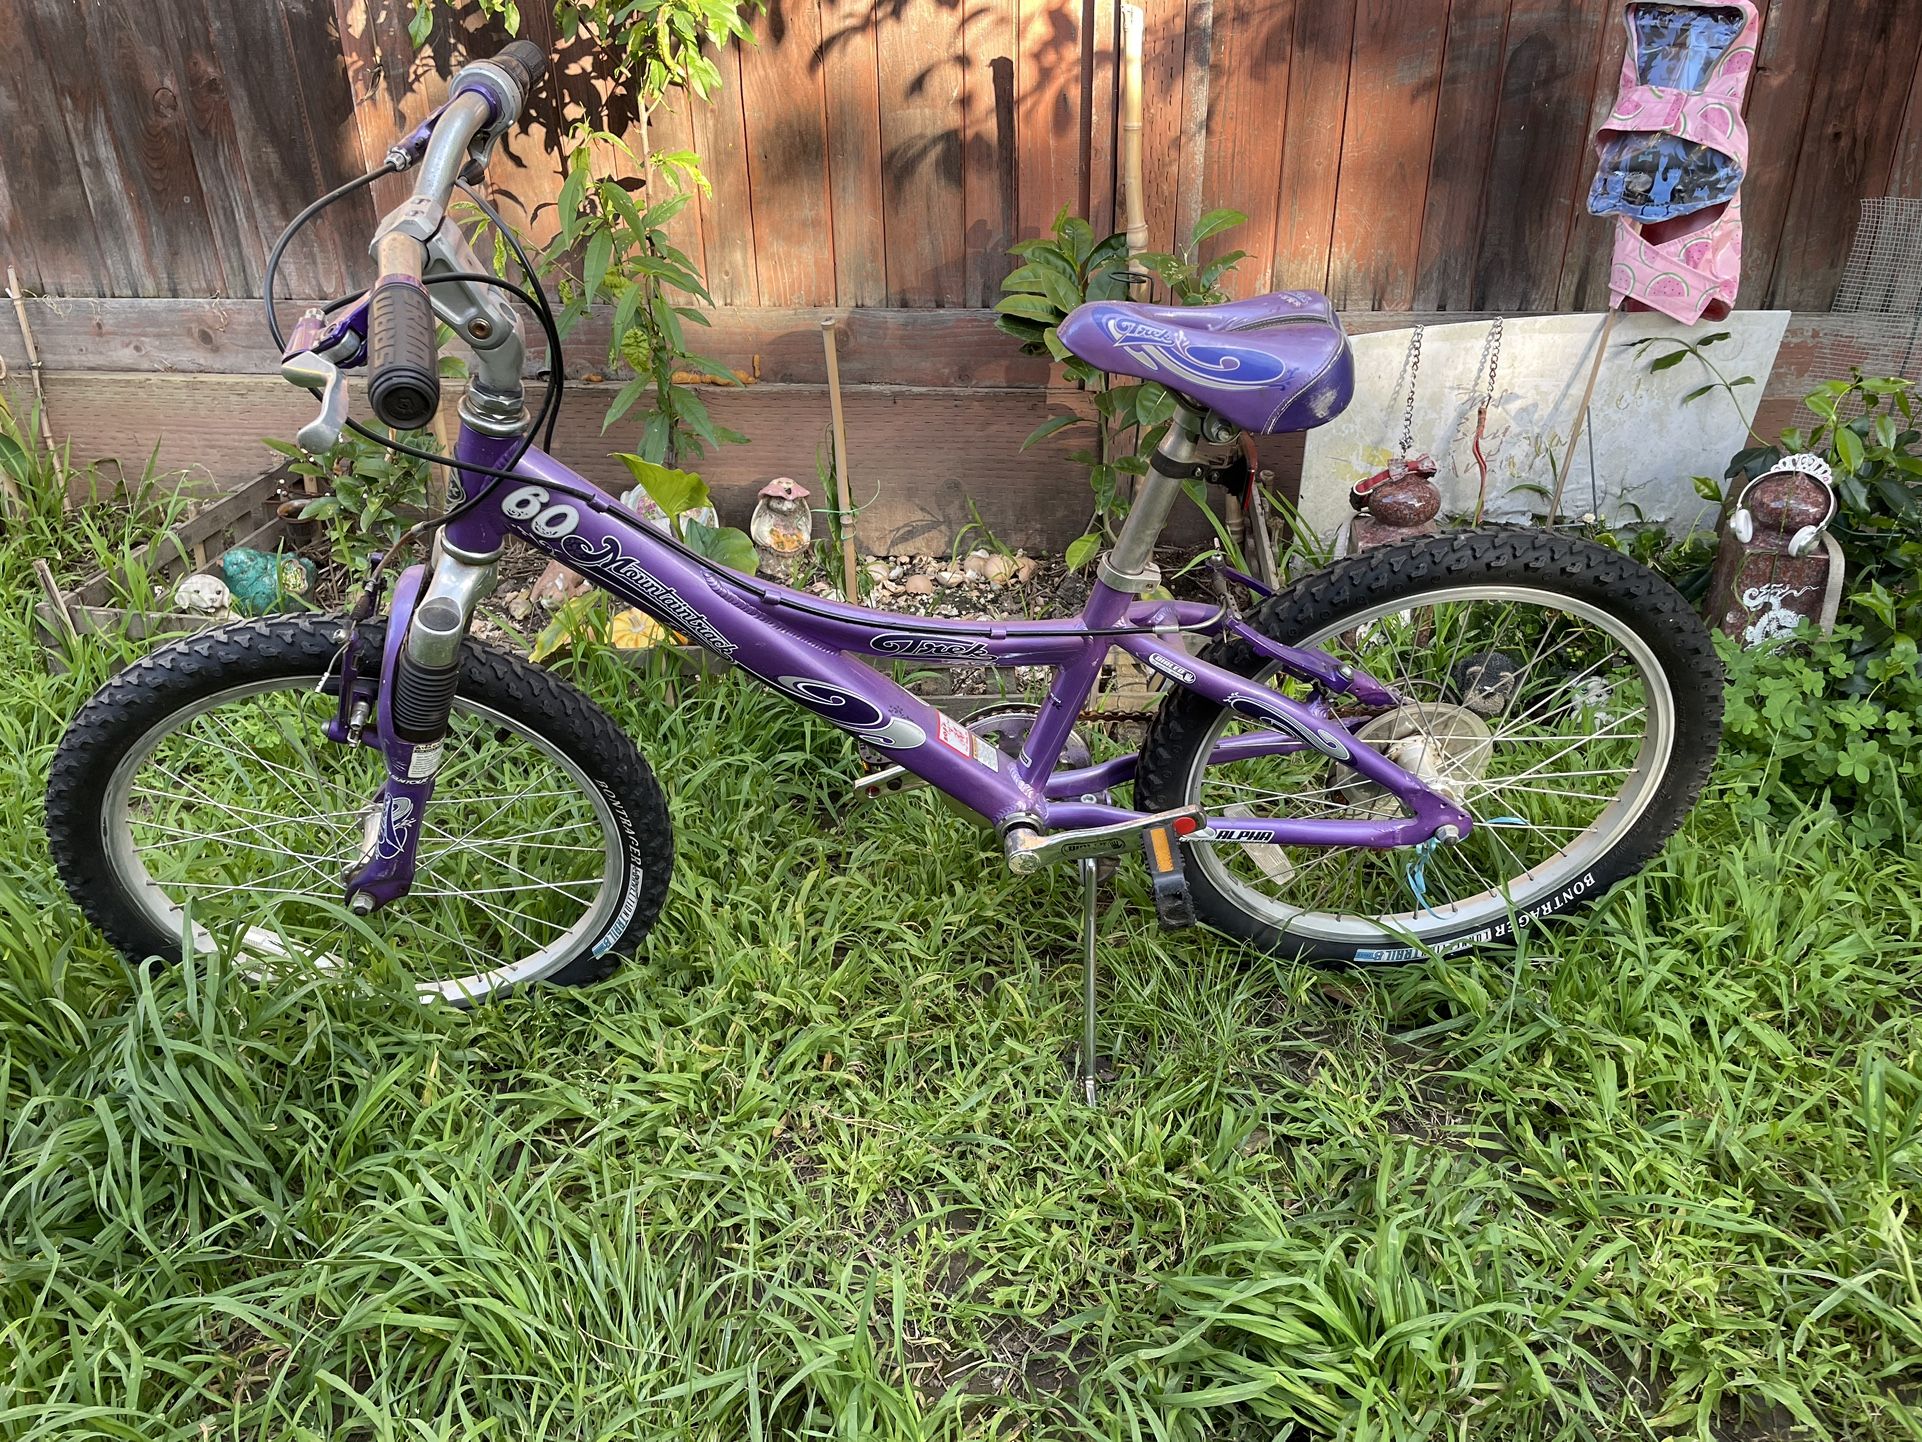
(142, 819)
(1570, 867)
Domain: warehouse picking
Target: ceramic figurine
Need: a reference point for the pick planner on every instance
(262, 583)
(782, 526)
(203, 595)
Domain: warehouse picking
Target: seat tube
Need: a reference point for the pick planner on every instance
(1130, 566)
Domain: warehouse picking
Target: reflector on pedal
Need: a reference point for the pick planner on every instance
(1161, 849)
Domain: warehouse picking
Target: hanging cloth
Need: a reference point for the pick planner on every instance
(1672, 155)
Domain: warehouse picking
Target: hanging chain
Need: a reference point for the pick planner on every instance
(1489, 364)
(1410, 369)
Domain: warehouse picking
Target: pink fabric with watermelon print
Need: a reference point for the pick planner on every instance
(1688, 267)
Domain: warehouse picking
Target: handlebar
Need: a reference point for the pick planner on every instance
(403, 384)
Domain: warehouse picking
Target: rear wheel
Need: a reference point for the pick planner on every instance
(196, 795)
(1564, 696)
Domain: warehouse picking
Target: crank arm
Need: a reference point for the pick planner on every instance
(1028, 851)
(891, 781)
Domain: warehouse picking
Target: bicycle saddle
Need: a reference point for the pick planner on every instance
(1276, 362)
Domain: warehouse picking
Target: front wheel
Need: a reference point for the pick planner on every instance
(1566, 697)
(195, 795)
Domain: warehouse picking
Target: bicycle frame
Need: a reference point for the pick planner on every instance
(805, 648)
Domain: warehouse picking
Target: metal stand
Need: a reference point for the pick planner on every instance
(1090, 1063)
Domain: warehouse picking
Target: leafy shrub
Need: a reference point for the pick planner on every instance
(373, 494)
(1814, 721)
(1069, 267)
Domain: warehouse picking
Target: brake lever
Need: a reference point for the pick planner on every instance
(316, 373)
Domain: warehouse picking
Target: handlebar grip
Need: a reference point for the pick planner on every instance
(403, 383)
(524, 61)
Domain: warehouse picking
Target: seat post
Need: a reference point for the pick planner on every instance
(1130, 566)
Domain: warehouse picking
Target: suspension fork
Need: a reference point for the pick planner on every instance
(419, 673)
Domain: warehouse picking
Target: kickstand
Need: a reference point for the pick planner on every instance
(1090, 1067)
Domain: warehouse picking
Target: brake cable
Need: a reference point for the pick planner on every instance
(532, 295)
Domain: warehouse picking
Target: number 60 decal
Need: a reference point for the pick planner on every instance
(530, 503)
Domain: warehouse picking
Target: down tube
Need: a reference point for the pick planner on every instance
(635, 564)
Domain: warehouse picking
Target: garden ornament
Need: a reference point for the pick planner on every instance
(262, 583)
(782, 526)
(203, 595)
(1778, 565)
(1400, 501)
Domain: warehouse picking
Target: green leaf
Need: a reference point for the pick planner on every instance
(1216, 221)
(1706, 488)
(629, 393)
(1848, 450)
(575, 620)
(1662, 363)
(673, 491)
(1708, 340)
(1154, 405)
(724, 544)
(1050, 427)
(421, 25)
(600, 251)
(1030, 307)
(1082, 549)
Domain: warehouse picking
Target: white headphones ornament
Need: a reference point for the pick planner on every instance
(1742, 523)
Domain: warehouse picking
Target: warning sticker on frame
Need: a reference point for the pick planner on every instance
(425, 761)
(985, 753)
(955, 736)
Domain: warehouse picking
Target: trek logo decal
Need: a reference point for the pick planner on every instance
(1257, 708)
(1172, 671)
(851, 712)
(606, 559)
(1162, 349)
(928, 648)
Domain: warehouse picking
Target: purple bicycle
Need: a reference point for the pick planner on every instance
(1421, 749)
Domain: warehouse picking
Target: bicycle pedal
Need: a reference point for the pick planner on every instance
(1161, 849)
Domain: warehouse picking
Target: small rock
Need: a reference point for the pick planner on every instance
(998, 570)
(894, 572)
(556, 584)
(519, 607)
(951, 578)
(876, 571)
(1025, 568)
(919, 585)
(977, 563)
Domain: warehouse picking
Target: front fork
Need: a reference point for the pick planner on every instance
(409, 702)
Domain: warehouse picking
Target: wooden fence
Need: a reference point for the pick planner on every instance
(1409, 156)
(1406, 155)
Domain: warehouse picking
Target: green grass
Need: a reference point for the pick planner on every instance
(811, 1166)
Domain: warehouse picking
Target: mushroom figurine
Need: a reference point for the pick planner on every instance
(782, 526)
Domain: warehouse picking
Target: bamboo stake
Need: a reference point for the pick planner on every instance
(842, 498)
(33, 355)
(1581, 417)
(39, 391)
(1133, 202)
